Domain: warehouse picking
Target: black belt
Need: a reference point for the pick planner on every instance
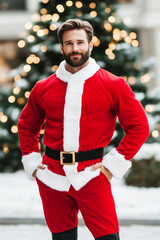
(69, 158)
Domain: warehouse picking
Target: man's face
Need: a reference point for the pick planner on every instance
(75, 49)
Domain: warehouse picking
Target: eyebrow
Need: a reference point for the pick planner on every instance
(69, 41)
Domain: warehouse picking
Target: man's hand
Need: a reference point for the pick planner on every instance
(41, 166)
(105, 171)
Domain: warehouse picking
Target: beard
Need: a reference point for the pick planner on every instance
(76, 63)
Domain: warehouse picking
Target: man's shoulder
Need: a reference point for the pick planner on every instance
(106, 75)
(46, 81)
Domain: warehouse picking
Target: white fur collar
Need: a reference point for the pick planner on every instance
(81, 75)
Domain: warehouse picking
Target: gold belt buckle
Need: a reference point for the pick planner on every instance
(62, 158)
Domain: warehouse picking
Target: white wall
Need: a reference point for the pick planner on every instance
(12, 22)
(145, 17)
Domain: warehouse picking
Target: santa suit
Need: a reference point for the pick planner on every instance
(80, 112)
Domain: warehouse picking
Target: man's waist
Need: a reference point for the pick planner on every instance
(71, 157)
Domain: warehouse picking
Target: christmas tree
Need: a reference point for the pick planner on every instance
(115, 49)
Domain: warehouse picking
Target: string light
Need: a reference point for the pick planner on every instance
(133, 35)
(14, 129)
(92, 5)
(146, 78)
(44, 18)
(155, 133)
(43, 48)
(107, 10)
(78, 4)
(96, 41)
(40, 33)
(20, 100)
(135, 43)
(45, 1)
(131, 80)
(60, 8)
(128, 39)
(5, 148)
(111, 19)
(33, 59)
(149, 108)
(28, 26)
(11, 99)
(31, 38)
(27, 68)
(27, 93)
(108, 26)
(54, 68)
(48, 17)
(24, 74)
(123, 33)
(16, 90)
(93, 14)
(55, 17)
(46, 31)
(108, 51)
(112, 46)
(21, 44)
(36, 28)
(69, 3)
(111, 56)
(42, 131)
(17, 78)
(117, 34)
(79, 13)
(43, 11)
(53, 27)
(4, 119)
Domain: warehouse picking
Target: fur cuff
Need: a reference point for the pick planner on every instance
(116, 163)
(31, 162)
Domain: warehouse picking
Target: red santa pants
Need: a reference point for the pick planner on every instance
(94, 200)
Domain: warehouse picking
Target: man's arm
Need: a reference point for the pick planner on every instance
(134, 122)
(29, 125)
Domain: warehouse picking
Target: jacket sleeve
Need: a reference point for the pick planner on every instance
(29, 124)
(134, 122)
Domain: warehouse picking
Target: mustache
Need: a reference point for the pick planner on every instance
(73, 53)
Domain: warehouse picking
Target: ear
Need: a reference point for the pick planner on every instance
(91, 46)
(61, 48)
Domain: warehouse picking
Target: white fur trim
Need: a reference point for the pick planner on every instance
(79, 179)
(53, 180)
(72, 115)
(81, 75)
(116, 163)
(31, 162)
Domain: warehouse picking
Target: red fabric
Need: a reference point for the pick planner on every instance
(105, 96)
(94, 200)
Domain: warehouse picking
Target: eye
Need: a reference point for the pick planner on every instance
(80, 42)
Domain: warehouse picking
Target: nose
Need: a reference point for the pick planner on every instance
(75, 47)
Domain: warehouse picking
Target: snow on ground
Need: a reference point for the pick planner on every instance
(28, 232)
(20, 198)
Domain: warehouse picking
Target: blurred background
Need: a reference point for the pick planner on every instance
(126, 43)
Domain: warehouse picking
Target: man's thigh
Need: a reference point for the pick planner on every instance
(97, 206)
(60, 209)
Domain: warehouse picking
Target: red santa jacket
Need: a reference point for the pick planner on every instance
(80, 112)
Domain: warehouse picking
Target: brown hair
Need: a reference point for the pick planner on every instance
(72, 24)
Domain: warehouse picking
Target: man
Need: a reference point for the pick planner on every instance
(79, 104)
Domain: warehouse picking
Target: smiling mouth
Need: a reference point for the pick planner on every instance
(75, 54)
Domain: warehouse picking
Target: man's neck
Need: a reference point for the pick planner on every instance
(73, 70)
